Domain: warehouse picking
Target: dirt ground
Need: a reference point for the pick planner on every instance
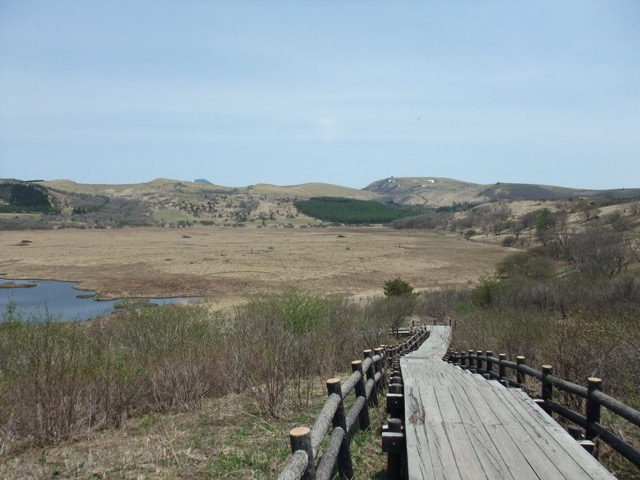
(226, 264)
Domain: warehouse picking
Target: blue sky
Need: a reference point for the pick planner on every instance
(344, 92)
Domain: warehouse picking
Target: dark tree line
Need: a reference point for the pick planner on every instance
(350, 211)
(22, 197)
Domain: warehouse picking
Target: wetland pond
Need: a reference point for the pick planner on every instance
(61, 300)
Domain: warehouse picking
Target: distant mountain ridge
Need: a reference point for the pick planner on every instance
(411, 191)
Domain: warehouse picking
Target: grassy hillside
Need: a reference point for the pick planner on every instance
(437, 192)
(524, 191)
(308, 190)
(169, 202)
(428, 191)
(180, 203)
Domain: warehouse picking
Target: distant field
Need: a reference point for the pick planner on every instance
(173, 216)
(226, 264)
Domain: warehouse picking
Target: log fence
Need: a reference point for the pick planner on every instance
(309, 458)
(589, 424)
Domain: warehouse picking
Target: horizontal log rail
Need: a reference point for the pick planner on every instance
(368, 379)
(495, 368)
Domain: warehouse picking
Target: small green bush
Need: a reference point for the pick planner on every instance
(396, 287)
(464, 307)
(487, 291)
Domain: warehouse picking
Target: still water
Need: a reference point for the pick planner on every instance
(60, 300)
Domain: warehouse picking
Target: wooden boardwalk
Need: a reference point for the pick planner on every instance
(459, 426)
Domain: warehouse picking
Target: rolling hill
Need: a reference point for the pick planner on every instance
(182, 203)
(436, 192)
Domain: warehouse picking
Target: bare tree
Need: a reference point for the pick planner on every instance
(602, 252)
(529, 219)
(589, 211)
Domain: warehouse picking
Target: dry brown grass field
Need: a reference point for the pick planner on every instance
(226, 264)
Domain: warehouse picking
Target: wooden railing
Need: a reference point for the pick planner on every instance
(496, 368)
(368, 379)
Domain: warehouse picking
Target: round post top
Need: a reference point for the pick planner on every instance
(300, 431)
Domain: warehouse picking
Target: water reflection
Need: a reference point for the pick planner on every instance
(61, 300)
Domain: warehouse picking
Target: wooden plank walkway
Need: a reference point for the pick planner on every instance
(459, 425)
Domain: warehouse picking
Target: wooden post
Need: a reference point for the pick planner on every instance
(371, 373)
(393, 443)
(300, 439)
(361, 391)
(488, 354)
(502, 369)
(392, 351)
(385, 357)
(520, 376)
(479, 363)
(378, 351)
(345, 467)
(547, 388)
(575, 431)
(378, 367)
(471, 361)
(395, 396)
(395, 388)
(593, 407)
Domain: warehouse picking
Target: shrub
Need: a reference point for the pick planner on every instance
(509, 241)
(526, 265)
(393, 310)
(287, 340)
(468, 233)
(60, 380)
(441, 303)
(397, 287)
(487, 291)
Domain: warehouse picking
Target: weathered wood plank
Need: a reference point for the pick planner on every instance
(430, 453)
(485, 432)
(459, 425)
(464, 435)
(533, 443)
(481, 411)
(436, 345)
(565, 447)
